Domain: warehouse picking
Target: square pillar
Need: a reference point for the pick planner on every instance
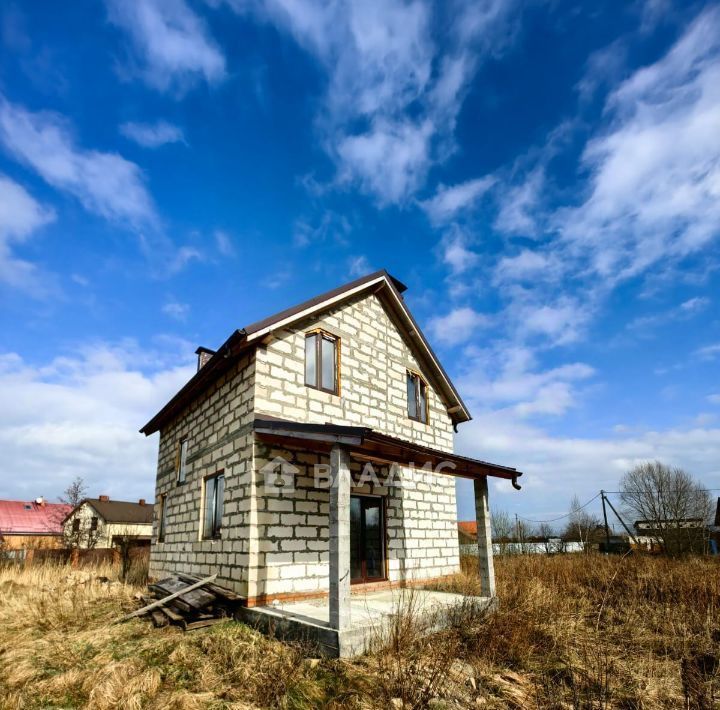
(486, 568)
(340, 538)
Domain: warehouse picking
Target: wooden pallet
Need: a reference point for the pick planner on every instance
(188, 602)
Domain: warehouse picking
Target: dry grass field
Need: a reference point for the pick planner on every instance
(571, 632)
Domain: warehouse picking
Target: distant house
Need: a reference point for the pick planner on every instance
(31, 524)
(102, 523)
(672, 535)
(467, 533)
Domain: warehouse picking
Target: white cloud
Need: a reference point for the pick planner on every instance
(331, 226)
(384, 65)
(655, 173)
(20, 216)
(458, 326)
(182, 257)
(557, 323)
(224, 243)
(602, 67)
(390, 160)
(526, 265)
(714, 398)
(176, 310)
(684, 311)
(520, 206)
(105, 183)
(708, 352)
(79, 414)
(171, 41)
(153, 135)
(359, 266)
(455, 254)
(507, 377)
(448, 202)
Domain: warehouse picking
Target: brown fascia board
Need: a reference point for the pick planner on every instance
(247, 338)
(364, 437)
(197, 384)
(318, 300)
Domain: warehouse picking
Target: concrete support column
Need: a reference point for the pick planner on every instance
(486, 568)
(340, 539)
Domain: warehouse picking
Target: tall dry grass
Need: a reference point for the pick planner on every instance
(570, 632)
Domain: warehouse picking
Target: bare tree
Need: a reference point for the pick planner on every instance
(75, 493)
(522, 534)
(501, 526)
(582, 525)
(81, 532)
(673, 505)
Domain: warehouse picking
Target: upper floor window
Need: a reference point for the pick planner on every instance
(214, 493)
(93, 524)
(417, 397)
(181, 462)
(76, 525)
(321, 361)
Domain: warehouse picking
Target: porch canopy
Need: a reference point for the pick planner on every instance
(366, 444)
(363, 443)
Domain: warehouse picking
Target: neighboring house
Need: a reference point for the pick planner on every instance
(31, 524)
(674, 536)
(467, 532)
(101, 523)
(310, 395)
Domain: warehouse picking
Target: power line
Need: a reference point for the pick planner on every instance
(676, 490)
(595, 497)
(567, 515)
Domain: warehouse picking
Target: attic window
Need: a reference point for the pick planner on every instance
(322, 369)
(417, 404)
(28, 506)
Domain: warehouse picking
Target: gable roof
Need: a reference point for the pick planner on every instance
(119, 511)
(19, 517)
(385, 286)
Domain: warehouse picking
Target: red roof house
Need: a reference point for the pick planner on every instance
(31, 523)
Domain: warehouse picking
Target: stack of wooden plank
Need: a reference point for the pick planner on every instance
(188, 602)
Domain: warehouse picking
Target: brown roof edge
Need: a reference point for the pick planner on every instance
(451, 387)
(368, 437)
(316, 300)
(218, 363)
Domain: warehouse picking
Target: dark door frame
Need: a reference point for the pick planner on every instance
(364, 579)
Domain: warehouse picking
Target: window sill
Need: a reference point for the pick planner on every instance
(324, 391)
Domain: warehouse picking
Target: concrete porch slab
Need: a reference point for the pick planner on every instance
(370, 615)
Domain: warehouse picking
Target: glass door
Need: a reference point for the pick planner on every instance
(367, 539)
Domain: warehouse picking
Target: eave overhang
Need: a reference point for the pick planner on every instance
(366, 444)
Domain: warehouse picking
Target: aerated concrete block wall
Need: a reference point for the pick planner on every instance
(421, 518)
(293, 524)
(219, 431)
(373, 389)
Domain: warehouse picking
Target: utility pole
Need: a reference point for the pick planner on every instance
(607, 529)
(622, 522)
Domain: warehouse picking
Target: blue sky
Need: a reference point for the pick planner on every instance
(545, 177)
